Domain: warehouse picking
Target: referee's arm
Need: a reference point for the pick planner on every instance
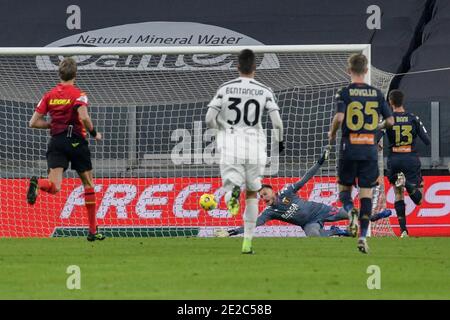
(87, 122)
(37, 121)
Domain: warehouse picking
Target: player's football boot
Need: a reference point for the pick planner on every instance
(95, 236)
(381, 215)
(353, 222)
(400, 180)
(32, 192)
(337, 232)
(247, 246)
(233, 203)
(404, 234)
(363, 246)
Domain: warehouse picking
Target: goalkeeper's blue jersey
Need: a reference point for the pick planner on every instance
(289, 207)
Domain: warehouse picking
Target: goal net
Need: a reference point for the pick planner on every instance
(157, 156)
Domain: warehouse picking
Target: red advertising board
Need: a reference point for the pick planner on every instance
(173, 202)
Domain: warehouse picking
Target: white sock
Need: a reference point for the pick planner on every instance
(250, 216)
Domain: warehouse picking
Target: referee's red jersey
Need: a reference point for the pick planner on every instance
(62, 103)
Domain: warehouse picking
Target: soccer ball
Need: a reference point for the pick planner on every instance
(207, 201)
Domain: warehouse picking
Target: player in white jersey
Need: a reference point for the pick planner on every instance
(236, 111)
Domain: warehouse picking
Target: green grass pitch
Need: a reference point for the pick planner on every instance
(194, 268)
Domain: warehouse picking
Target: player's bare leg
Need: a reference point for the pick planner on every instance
(347, 202)
(250, 216)
(51, 185)
(89, 199)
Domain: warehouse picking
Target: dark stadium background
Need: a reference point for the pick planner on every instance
(414, 36)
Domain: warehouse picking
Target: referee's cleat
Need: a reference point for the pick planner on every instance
(381, 215)
(362, 246)
(95, 236)
(32, 192)
(247, 246)
(353, 222)
(404, 234)
(401, 180)
(233, 203)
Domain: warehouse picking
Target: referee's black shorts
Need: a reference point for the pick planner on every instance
(62, 150)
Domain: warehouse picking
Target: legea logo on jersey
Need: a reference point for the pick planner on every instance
(160, 34)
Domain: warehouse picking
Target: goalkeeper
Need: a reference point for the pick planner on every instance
(287, 206)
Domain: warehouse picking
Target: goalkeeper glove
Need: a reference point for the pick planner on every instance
(220, 233)
(325, 155)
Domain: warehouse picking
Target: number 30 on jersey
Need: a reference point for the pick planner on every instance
(248, 106)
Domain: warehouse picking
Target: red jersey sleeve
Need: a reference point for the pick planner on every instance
(42, 106)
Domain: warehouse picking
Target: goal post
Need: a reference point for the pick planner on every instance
(123, 51)
(157, 156)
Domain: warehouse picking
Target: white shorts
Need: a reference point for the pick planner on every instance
(249, 174)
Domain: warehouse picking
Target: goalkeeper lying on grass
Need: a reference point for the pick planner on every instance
(287, 206)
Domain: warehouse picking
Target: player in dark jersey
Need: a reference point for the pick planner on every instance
(67, 107)
(288, 207)
(359, 109)
(403, 162)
